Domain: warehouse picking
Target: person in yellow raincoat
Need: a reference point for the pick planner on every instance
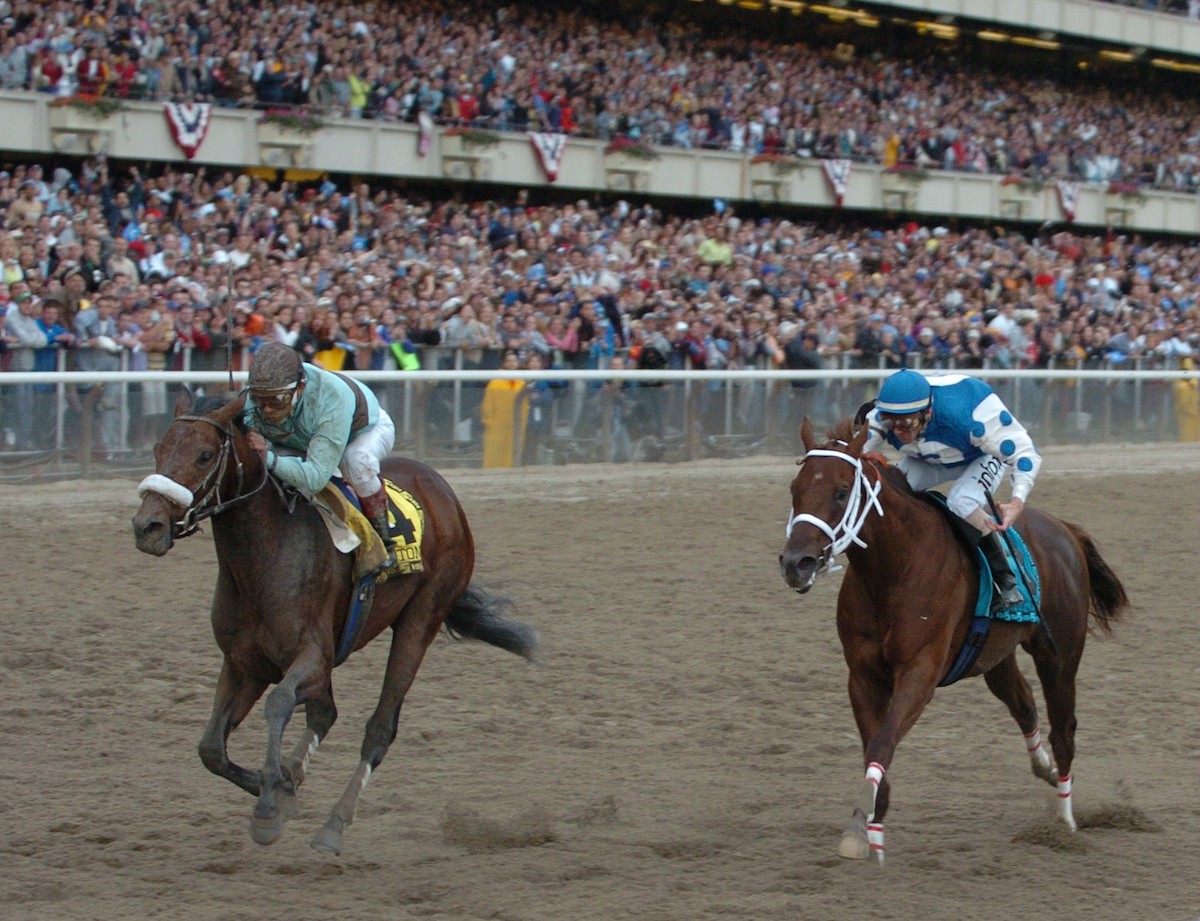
(1187, 404)
(498, 413)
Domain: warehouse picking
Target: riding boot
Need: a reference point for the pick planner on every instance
(374, 507)
(1002, 574)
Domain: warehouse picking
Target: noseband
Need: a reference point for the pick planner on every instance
(864, 495)
(209, 502)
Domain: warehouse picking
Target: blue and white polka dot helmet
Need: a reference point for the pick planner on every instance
(903, 393)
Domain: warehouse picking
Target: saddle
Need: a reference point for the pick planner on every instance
(1019, 559)
(1028, 582)
(352, 532)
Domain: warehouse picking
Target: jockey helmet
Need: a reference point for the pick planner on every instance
(903, 393)
(275, 367)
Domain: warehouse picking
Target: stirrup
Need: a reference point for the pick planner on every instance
(1010, 597)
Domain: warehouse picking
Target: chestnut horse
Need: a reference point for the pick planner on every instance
(905, 608)
(283, 596)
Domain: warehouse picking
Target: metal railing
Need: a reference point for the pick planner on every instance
(73, 427)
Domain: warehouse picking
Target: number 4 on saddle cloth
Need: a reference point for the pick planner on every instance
(1028, 583)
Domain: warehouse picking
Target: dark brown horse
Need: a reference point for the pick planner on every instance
(906, 605)
(282, 598)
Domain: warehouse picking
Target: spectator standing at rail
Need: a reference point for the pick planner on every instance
(96, 336)
(24, 336)
(503, 428)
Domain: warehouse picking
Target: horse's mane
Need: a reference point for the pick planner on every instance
(844, 431)
(208, 404)
(211, 402)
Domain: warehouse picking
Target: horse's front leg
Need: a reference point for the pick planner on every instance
(320, 715)
(234, 697)
(884, 715)
(308, 678)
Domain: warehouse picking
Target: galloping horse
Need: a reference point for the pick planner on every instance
(905, 609)
(283, 595)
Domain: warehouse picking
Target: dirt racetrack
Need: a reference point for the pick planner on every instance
(685, 751)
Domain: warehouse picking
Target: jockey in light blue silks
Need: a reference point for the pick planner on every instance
(956, 428)
(326, 423)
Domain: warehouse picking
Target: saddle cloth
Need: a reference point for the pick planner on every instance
(351, 532)
(1019, 558)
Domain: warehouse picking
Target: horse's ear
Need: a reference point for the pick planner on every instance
(183, 400)
(859, 439)
(806, 435)
(860, 417)
(231, 411)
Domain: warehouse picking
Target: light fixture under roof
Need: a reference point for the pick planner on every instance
(1043, 43)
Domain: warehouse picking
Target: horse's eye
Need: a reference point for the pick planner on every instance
(205, 457)
(842, 494)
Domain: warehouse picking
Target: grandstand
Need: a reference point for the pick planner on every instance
(934, 163)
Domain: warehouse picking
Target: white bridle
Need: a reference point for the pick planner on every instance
(864, 496)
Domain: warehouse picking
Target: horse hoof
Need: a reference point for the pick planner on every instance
(266, 830)
(329, 839)
(854, 846)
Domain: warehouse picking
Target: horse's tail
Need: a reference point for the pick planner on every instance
(479, 615)
(1108, 598)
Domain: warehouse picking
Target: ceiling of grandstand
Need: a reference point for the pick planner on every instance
(857, 27)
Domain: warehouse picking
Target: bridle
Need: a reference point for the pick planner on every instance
(209, 502)
(864, 495)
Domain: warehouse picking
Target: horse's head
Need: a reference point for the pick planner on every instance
(191, 464)
(831, 497)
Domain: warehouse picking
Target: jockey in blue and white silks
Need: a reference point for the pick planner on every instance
(954, 427)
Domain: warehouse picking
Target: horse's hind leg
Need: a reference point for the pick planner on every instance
(1057, 675)
(234, 697)
(1010, 687)
(410, 639)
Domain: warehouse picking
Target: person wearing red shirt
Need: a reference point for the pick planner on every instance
(48, 71)
(92, 73)
(124, 76)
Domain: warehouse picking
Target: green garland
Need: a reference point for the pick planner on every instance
(299, 122)
(97, 107)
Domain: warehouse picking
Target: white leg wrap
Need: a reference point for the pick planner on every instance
(1043, 765)
(874, 778)
(1065, 812)
(875, 840)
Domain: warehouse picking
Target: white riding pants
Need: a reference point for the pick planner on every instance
(973, 483)
(360, 462)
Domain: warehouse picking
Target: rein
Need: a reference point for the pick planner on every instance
(209, 502)
(864, 496)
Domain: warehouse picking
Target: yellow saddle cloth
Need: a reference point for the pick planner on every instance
(406, 524)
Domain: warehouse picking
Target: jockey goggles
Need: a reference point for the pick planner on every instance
(908, 424)
(275, 399)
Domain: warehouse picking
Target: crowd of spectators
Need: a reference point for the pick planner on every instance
(557, 68)
(191, 267)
